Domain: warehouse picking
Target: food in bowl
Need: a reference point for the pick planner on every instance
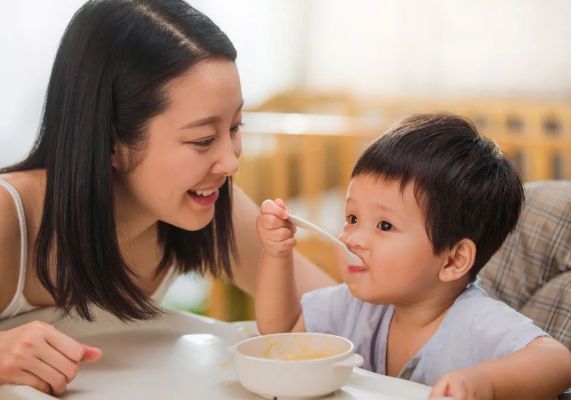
(299, 349)
(294, 365)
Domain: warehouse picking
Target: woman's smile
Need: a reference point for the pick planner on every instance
(204, 198)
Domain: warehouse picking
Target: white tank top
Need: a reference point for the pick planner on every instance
(19, 304)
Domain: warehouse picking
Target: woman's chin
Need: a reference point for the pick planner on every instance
(193, 222)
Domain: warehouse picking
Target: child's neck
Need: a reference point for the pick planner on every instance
(413, 325)
(430, 310)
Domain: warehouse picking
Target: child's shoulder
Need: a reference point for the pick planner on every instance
(474, 296)
(475, 310)
(474, 302)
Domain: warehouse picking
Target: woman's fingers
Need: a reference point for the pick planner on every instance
(38, 355)
(54, 378)
(67, 346)
(57, 360)
(91, 353)
(29, 379)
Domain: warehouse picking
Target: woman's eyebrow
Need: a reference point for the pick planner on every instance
(207, 120)
(201, 122)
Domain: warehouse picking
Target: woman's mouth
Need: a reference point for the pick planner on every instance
(204, 197)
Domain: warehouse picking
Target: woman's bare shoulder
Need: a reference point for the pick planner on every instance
(9, 247)
(30, 185)
(27, 183)
(31, 188)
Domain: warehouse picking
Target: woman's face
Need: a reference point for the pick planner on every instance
(191, 149)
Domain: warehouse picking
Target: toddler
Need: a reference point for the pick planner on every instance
(428, 204)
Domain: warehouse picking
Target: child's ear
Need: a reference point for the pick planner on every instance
(459, 262)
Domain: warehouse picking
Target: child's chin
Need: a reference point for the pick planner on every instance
(356, 290)
(363, 294)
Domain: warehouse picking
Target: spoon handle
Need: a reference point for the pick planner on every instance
(351, 258)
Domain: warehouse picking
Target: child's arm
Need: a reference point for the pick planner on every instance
(541, 370)
(277, 302)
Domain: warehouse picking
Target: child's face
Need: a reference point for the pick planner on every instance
(386, 228)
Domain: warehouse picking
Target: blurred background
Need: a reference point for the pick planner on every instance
(322, 78)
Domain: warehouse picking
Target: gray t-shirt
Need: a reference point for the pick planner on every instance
(475, 329)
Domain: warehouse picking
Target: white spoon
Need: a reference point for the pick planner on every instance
(351, 258)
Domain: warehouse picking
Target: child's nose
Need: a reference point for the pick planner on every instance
(355, 240)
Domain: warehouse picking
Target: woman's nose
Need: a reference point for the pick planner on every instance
(228, 159)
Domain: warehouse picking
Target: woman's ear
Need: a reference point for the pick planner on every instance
(114, 155)
(119, 156)
(459, 262)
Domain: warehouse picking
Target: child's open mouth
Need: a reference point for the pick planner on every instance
(204, 197)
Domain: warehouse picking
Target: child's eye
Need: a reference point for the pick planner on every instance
(351, 219)
(384, 226)
(203, 143)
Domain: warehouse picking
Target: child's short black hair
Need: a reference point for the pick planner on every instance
(462, 181)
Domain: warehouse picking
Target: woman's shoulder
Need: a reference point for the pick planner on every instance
(31, 186)
(26, 182)
(10, 240)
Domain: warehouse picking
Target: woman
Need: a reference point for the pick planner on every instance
(129, 181)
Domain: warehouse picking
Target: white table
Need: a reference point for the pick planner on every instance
(177, 356)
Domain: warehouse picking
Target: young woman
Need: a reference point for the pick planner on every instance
(129, 181)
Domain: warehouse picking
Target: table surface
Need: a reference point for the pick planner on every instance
(178, 355)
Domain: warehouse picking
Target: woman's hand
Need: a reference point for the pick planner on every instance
(464, 384)
(274, 230)
(38, 355)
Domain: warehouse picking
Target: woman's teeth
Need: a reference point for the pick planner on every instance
(203, 193)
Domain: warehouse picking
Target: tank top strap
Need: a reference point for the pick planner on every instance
(23, 240)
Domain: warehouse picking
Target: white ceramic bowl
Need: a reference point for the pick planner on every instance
(294, 365)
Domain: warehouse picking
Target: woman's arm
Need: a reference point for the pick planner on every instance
(35, 354)
(307, 275)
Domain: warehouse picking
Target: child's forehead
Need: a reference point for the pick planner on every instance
(384, 193)
(364, 183)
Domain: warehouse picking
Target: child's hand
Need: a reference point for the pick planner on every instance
(274, 230)
(464, 384)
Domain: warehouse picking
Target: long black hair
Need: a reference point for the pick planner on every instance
(107, 81)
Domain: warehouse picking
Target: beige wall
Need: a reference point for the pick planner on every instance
(508, 48)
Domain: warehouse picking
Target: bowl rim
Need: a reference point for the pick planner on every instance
(312, 360)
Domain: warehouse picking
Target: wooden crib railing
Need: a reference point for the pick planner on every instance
(304, 156)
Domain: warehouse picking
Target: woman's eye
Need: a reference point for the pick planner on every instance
(203, 143)
(236, 128)
(351, 219)
(384, 226)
